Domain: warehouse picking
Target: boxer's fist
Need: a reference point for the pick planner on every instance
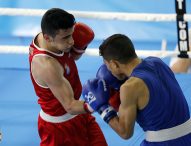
(113, 82)
(82, 36)
(96, 94)
(114, 99)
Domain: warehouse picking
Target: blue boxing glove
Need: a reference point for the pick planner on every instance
(112, 81)
(96, 94)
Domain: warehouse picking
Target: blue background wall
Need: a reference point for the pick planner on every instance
(18, 102)
(20, 27)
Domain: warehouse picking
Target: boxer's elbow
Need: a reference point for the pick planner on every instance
(126, 136)
(125, 133)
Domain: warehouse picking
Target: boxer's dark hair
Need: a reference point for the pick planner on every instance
(117, 47)
(55, 19)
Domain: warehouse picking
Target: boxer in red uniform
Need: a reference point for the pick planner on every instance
(64, 120)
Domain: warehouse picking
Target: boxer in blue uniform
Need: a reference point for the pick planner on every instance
(151, 96)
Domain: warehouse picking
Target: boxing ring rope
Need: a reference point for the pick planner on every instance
(97, 15)
(4, 49)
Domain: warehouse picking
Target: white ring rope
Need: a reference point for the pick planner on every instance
(94, 51)
(97, 15)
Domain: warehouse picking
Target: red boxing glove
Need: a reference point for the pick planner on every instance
(82, 36)
(114, 99)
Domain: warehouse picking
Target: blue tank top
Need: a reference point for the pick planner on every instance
(167, 106)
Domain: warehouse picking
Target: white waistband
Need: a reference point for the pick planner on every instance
(56, 119)
(170, 133)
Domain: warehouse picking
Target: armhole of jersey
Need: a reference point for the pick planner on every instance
(46, 87)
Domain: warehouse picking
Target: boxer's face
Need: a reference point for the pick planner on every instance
(63, 40)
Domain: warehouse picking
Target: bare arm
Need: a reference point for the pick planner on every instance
(181, 65)
(50, 73)
(130, 92)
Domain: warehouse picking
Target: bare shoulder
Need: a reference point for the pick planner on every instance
(133, 84)
(46, 69)
(133, 90)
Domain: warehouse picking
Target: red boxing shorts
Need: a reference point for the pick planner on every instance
(81, 130)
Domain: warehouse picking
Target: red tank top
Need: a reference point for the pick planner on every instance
(47, 100)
